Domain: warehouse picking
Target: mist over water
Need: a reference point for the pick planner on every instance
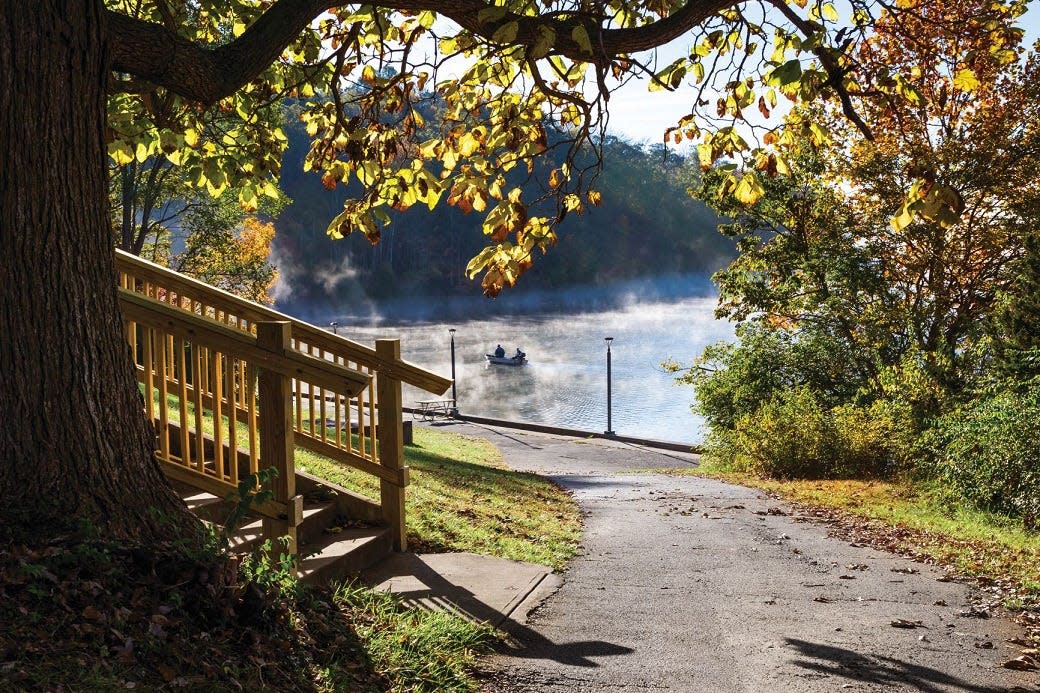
(565, 381)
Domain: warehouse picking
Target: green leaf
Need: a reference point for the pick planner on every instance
(543, 44)
(489, 15)
(506, 33)
(581, 37)
(788, 73)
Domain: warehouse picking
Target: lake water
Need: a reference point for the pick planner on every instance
(565, 381)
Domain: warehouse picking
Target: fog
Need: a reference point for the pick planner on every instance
(563, 336)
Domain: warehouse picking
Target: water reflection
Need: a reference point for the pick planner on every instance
(564, 382)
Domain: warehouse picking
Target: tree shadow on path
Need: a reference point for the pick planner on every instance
(888, 671)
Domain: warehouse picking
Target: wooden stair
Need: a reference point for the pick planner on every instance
(340, 535)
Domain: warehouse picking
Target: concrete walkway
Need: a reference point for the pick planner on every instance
(687, 584)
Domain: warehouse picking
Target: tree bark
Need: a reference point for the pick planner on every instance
(74, 442)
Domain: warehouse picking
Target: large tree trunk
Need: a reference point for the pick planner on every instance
(74, 442)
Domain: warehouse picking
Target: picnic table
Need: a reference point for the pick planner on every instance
(430, 409)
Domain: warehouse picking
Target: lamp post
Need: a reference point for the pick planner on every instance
(334, 326)
(454, 400)
(610, 430)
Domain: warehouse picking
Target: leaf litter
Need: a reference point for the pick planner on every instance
(85, 614)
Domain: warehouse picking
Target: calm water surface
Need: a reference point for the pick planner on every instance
(565, 381)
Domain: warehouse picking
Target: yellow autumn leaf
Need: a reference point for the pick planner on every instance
(749, 190)
(965, 80)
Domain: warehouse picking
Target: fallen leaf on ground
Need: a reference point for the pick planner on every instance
(904, 623)
(907, 571)
(975, 612)
(1020, 663)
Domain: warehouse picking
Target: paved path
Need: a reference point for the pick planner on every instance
(687, 584)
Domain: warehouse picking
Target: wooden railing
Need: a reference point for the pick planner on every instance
(234, 386)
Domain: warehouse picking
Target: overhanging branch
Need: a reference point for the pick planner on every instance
(156, 54)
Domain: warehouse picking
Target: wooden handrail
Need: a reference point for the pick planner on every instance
(148, 311)
(398, 369)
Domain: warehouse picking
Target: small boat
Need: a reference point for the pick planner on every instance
(506, 360)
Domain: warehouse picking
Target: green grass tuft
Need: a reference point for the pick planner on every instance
(417, 650)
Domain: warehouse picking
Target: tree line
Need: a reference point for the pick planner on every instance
(646, 226)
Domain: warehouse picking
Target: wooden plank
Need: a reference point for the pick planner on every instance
(292, 510)
(276, 431)
(398, 477)
(200, 449)
(218, 430)
(182, 398)
(390, 436)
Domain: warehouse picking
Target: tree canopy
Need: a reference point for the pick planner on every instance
(197, 82)
(867, 317)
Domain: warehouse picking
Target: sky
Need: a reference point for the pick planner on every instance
(643, 117)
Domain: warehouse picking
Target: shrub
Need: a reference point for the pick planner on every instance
(794, 436)
(880, 440)
(988, 453)
(787, 437)
(733, 380)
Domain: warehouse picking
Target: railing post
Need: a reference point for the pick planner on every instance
(391, 444)
(276, 433)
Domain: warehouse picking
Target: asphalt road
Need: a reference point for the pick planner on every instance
(688, 584)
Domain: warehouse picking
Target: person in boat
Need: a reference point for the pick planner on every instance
(519, 355)
(500, 352)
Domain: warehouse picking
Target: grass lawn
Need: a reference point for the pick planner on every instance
(463, 498)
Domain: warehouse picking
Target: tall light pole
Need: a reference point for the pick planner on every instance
(334, 326)
(454, 400)
(610, 430)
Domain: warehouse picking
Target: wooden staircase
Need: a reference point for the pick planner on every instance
(234, 387)
(333, 543)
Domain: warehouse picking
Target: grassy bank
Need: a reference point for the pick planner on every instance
(463, 498)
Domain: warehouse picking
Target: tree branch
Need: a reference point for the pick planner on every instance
(154, 53)
(835, 74)
(159, 55)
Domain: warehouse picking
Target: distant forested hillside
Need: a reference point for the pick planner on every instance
(647, 226)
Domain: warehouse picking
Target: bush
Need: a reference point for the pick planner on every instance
(794, 437)
(988, 453)
(876, 441)
(785, 438)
